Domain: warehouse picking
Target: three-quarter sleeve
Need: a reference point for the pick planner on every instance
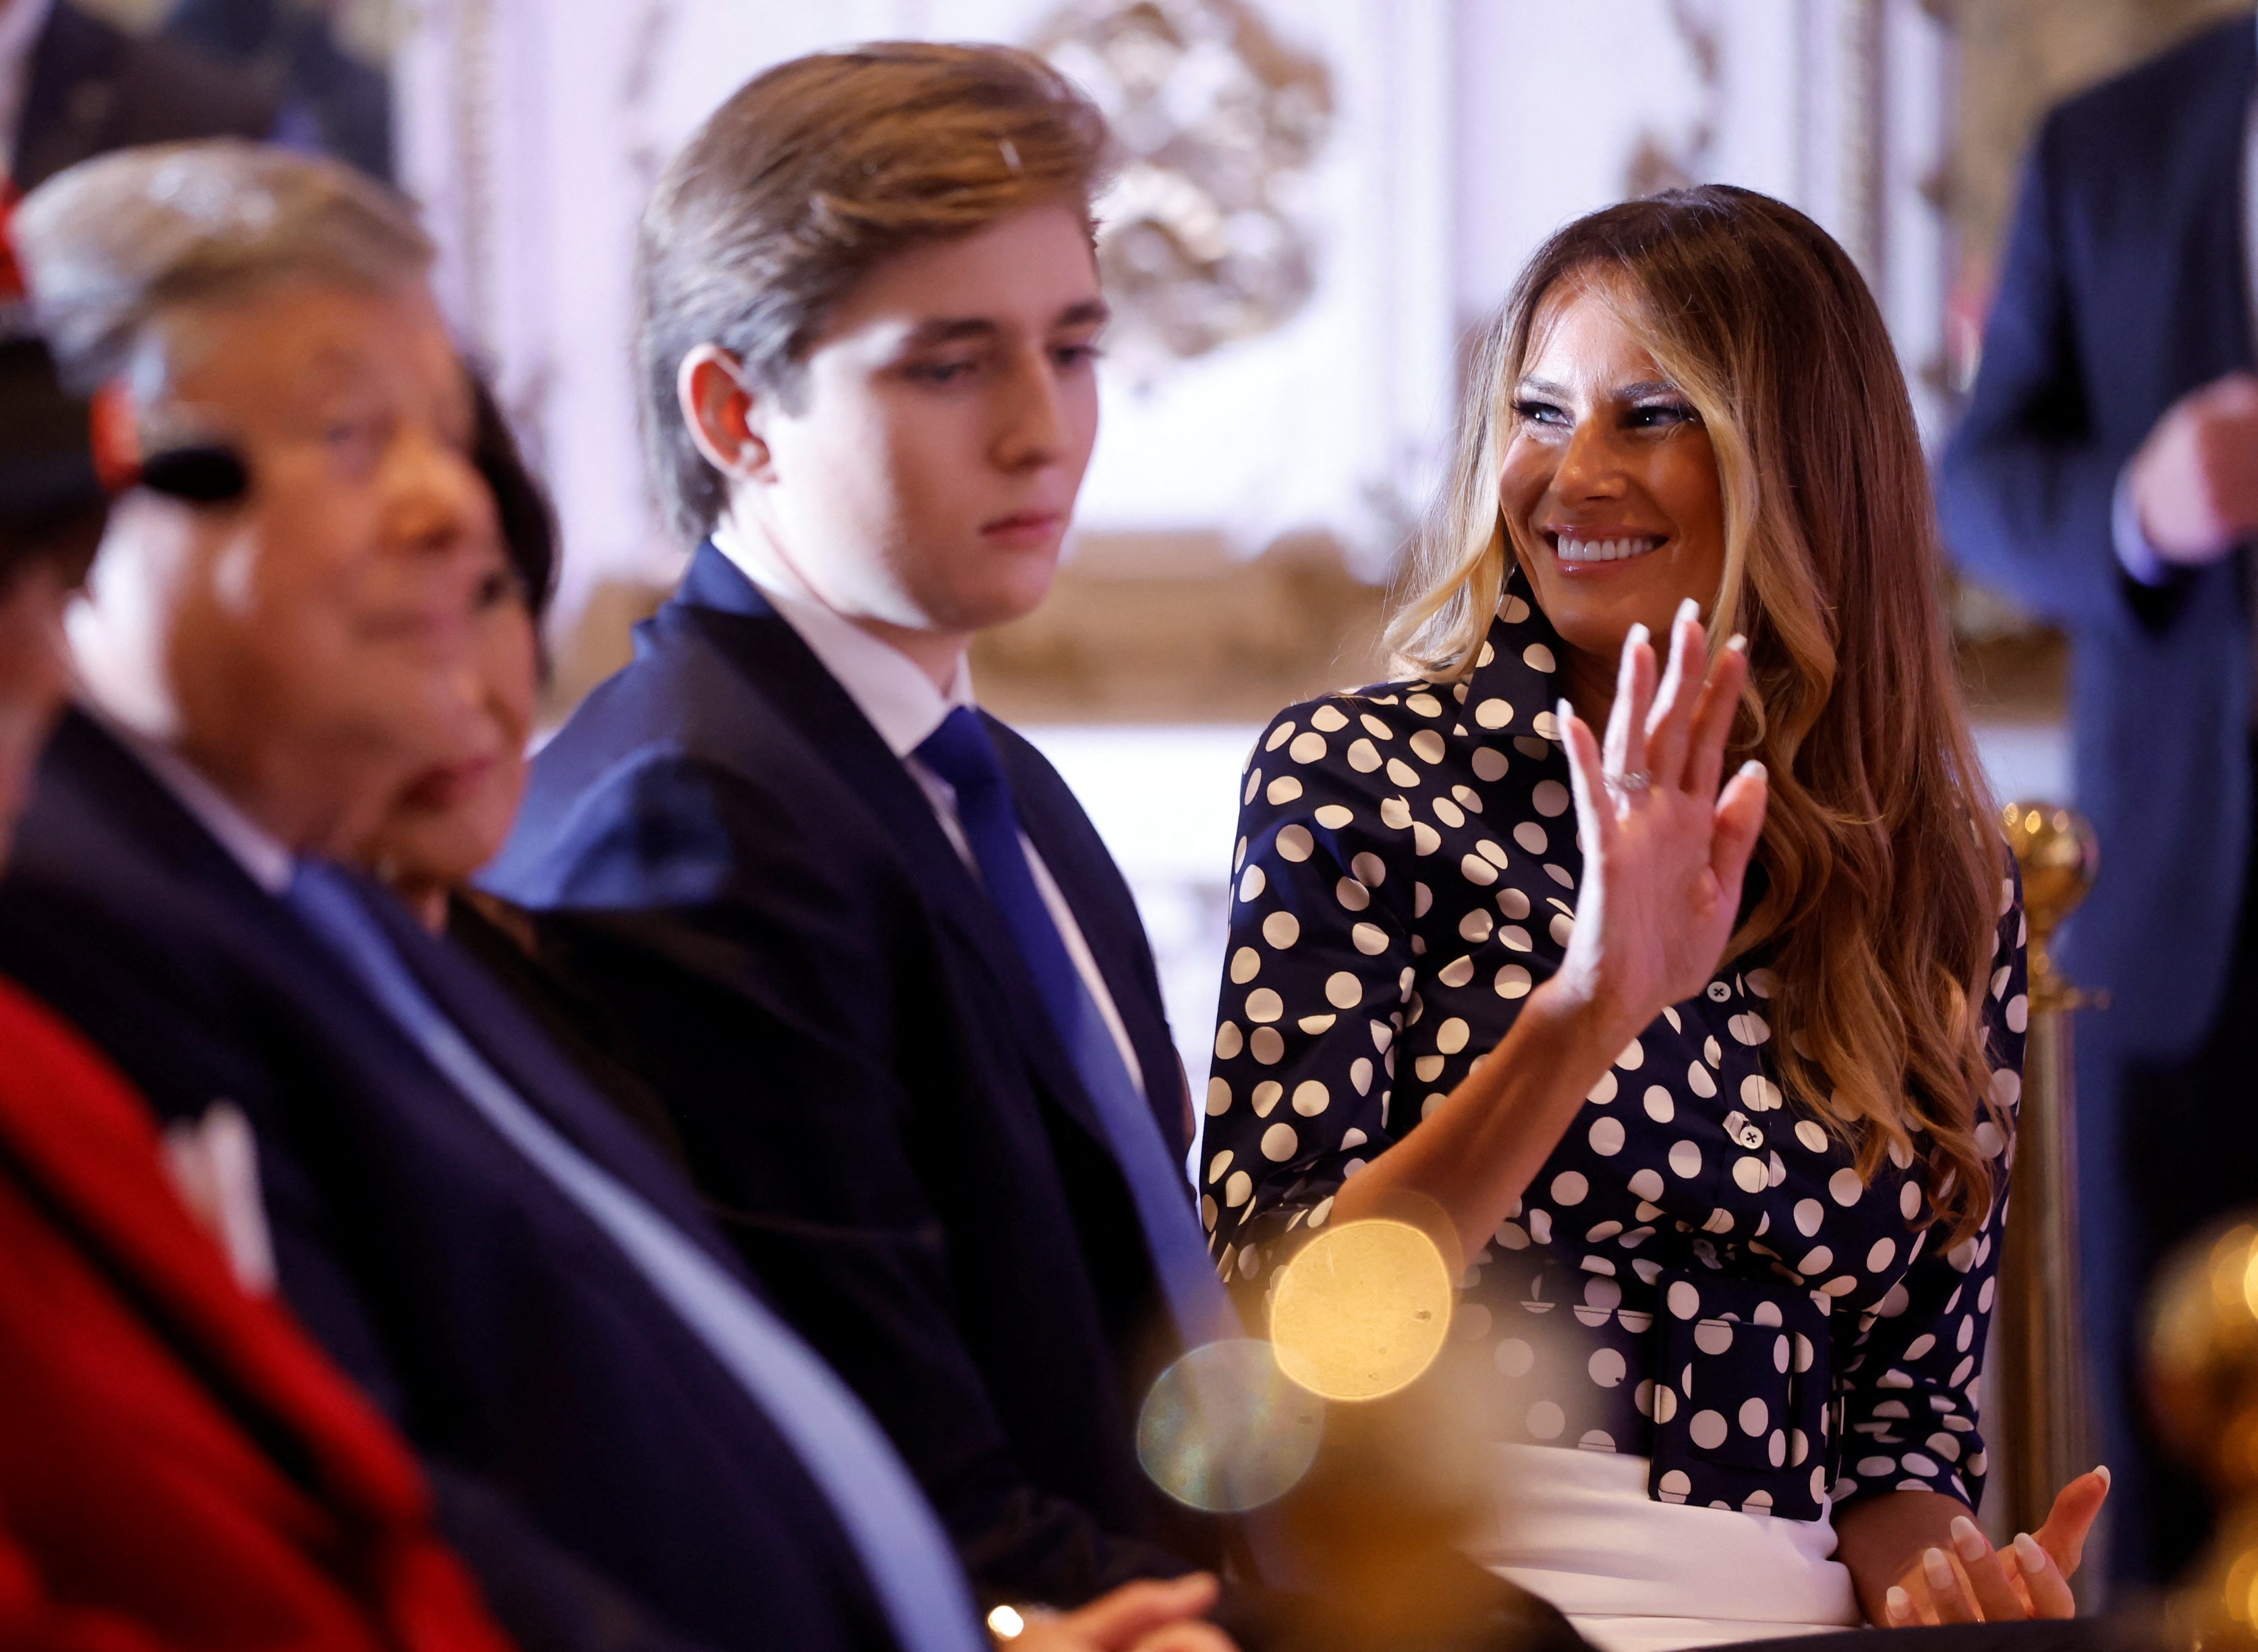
(1317, 983)
(1910, 1391)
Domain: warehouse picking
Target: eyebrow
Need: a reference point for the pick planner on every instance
(1639, 391)
(952, 329)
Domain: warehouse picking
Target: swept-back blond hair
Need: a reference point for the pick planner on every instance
(807, 179)
(1878, 873)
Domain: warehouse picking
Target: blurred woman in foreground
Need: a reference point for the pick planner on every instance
(1752, 1133)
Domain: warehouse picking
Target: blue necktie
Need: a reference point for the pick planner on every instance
(960, 753)
(905, 1553)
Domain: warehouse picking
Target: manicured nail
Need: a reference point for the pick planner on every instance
(1636, 634)
(2102, 1468)
(1756, 770)
(1688, 611)
(1737, 644)
(1937, 1569)
(1899, 1605)
(1967, 1540)
(2028, 1555)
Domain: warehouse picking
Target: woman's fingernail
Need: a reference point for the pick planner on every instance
(1898, 1603)
(2102, 1468)
(1737, 643)
(2031, 1558)
(1937, 1569)
(1687, 610)
(1967, 1540)
(1636, 634)
(1756, 770)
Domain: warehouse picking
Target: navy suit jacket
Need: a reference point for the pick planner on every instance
(2124, 286)
(507, 1337)
(730, 859)
(92, 87)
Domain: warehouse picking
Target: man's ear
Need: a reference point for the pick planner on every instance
(721, 413)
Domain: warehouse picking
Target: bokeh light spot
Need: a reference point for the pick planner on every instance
(1362, 1310)
(1006, 1624)
(1224, 1431)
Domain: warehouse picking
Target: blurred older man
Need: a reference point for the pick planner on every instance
(630, 1446)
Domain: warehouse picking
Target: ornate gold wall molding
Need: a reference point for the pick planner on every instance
(1217, 119)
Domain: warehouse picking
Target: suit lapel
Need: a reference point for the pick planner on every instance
(481, 1010)
(721, 609)
(541, 1074)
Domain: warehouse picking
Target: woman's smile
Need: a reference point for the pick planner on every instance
(1590, 549)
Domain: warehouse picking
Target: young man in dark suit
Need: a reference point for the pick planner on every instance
(869, 314)
(630, 1446)
(2106, 475)
(869, 948)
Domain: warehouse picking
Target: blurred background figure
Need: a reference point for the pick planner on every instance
(2107, 474)
(449, 820)
(327, 96)
(178, 1465)
(74, 84)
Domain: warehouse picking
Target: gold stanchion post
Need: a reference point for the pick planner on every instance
(2035, 1388)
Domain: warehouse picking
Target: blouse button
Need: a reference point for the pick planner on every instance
(1750, 1137)
(1719, 992)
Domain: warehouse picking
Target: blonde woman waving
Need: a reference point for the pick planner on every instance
(1714, 1078)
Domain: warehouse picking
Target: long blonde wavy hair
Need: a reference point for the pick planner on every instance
(1879, 876)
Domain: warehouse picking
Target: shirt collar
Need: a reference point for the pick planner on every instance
(265, 860)
(888, 687)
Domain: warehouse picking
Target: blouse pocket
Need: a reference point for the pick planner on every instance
(1740, 1398)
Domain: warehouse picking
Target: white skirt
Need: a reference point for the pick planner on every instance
(1634, 1574)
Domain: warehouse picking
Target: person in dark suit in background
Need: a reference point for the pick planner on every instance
(867, 944)
(2105, 474)
(329, 94)
(179, 1467)
(72, 86)
(629, 1446)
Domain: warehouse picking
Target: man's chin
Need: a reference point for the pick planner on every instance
(996, 602)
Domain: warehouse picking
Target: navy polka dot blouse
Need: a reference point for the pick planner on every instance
(1698, 1275)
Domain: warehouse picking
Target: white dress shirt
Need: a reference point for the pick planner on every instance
(264, 857)
(906, 706)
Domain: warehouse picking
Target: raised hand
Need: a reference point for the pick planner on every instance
(1664, 850)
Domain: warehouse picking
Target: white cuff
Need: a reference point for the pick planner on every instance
(2139, 559)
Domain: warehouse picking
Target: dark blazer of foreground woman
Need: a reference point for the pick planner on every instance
(729, 857)
(607, 1475)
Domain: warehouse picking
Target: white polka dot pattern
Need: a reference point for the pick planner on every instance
(1397, 905)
